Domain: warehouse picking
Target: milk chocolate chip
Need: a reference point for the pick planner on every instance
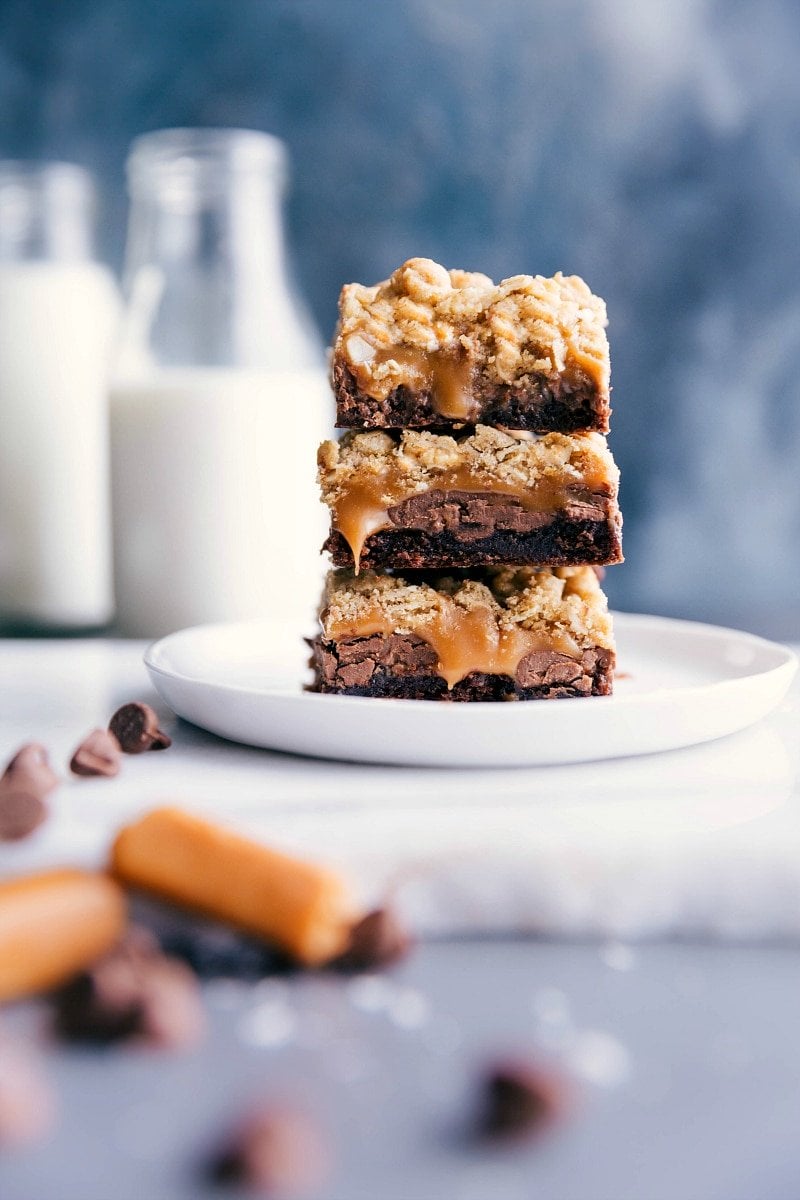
(20, 813)
(521, 1099)
(29, 771)
(98, 754)
(135, 726)
(377, 940)
(135, 991)
(276, 1152)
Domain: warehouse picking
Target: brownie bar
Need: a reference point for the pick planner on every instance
(420, 500)
(498, 634)
(433, 348)
(403, 667)
(537, 404)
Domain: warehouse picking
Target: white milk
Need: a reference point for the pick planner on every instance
(56, 327)
(216, 509)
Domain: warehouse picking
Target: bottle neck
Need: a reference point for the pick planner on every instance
(206, 278)
(46, 213)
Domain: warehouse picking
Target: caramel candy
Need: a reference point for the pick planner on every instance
(54, 924)
(300, 907)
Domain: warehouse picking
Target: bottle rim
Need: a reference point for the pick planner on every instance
(205, 151)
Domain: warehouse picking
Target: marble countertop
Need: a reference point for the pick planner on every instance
(703, 840)
(669, 1045)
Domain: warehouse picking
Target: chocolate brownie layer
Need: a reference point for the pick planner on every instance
(537, 404)
(402, 666)
(445, 530)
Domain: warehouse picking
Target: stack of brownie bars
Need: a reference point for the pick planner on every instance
(474, 497)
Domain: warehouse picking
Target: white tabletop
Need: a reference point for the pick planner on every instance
(700, 840)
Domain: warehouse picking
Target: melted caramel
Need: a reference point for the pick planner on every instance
(466, 640)
(363, 507)
(589, 363)
(445, 374)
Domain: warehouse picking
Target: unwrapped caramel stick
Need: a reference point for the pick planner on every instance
(54, 924)
(298, 906)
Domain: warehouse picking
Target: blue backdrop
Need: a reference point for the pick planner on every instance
(653, 148)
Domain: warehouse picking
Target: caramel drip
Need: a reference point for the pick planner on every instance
(465, 639)
(445, 374)
(590, 364)
(363, 505)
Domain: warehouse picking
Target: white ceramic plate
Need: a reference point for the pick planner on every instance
(679, 683)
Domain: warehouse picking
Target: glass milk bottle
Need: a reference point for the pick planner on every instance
(220, 396)
(58, 312)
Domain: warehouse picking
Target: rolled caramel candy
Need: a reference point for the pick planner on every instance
(53, 925)
(300, 907)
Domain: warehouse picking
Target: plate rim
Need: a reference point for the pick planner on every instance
(788, 661)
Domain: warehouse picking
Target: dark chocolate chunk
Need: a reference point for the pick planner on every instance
(404, 666)
(276, 1152)
(20, 814)
(98, 754)
(377, 940)
(135, 726)
(519, 1100)
(30, 771)
(133, 992)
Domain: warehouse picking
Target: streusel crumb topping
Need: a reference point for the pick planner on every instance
(557, 602)
(415, 459)
(525, 325)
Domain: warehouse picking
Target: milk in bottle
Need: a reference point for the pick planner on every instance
(220, 395)
(58, 311)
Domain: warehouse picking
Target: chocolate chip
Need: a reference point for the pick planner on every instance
(20, 814)
(135, 726)
(378, 940)
(99, 1006)
(520, 1100)
(98, 754)
(30, 771)
(133, 992)
(276, 1152)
